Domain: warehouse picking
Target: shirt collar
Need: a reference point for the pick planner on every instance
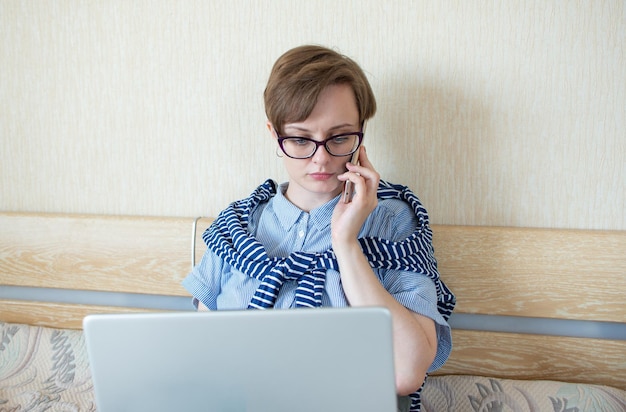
(288, 213)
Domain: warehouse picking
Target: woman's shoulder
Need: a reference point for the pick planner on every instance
(392, 219)
(394, 206)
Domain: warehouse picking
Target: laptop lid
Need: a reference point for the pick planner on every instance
(328, 359)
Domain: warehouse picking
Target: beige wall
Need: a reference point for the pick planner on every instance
(496, 113)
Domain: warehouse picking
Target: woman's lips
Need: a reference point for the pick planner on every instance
(321, 176)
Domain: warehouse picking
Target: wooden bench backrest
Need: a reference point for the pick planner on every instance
(519, 272)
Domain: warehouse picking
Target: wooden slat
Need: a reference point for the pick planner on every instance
(567, 274)
(517, 356)
(123, 254)
(55, 315)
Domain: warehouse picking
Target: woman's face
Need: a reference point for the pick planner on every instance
(313, 181)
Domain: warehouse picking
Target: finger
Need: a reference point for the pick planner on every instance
(364, 162)
(365, 169)
(365, 182)
(363, 159)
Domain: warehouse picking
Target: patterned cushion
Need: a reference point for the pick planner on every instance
(45, 369)
(475, 393)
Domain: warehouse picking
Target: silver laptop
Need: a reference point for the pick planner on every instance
(300, 360)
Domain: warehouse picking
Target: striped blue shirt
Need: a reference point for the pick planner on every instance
(283, 228)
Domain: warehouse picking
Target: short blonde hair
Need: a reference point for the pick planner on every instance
(299, 76)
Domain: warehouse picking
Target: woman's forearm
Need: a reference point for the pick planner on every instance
(414, 336)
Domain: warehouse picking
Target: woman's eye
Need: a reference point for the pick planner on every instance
(339, 140)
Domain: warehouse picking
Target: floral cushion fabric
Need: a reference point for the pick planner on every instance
(475, 393)
(45, 369)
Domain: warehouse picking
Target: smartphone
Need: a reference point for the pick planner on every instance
(348, 189)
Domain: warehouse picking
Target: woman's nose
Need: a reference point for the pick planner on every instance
(321, 155)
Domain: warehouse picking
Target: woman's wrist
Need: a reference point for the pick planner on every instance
(346, 247)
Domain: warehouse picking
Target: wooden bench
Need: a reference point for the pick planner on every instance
(508, 282)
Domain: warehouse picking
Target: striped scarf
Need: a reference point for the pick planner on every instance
(229, 239)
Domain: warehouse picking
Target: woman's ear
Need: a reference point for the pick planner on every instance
(270, 128)
(274, 134)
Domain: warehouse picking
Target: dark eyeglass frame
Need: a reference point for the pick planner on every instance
(281, 139)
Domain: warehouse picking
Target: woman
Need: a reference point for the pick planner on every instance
(317, 102)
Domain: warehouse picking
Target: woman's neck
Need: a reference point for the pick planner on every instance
(307, 201)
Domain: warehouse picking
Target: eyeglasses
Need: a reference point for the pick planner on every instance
(303, 147)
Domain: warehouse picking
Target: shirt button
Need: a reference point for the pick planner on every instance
(301, 233)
